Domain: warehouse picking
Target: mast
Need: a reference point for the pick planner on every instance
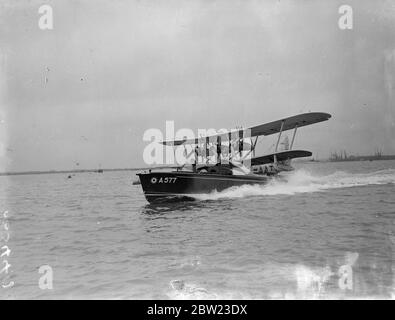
(293, 137)
(241, 144)
(279, 135)
(229, 146)
(206, 149)
(219, 149)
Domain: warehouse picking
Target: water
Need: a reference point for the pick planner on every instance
(286, 240)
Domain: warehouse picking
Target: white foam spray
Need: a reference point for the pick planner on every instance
(302, 181)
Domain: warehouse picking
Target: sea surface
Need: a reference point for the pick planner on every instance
(327, 232)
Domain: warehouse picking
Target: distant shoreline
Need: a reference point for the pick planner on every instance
(364, 158)
(66, 171)
(76, 171)
(351, 158)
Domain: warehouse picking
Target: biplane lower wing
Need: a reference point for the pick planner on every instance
(281, 156)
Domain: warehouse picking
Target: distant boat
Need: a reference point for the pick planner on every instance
(136, 182)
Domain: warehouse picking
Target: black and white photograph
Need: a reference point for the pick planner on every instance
(216, 150)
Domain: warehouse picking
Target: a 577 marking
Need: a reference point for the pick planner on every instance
(164, 180)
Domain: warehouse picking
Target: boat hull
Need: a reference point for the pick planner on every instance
(168, 186)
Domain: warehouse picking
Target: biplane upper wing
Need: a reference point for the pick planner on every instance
(281, 156)
(266, 129)
(289, 123)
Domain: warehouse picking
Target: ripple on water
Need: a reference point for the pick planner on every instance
(286, 240)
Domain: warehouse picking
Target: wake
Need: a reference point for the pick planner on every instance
(302, 181)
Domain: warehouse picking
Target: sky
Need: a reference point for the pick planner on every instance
(82, 94)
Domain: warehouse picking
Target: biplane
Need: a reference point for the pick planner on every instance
(227, 159)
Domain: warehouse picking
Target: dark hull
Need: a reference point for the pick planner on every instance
(168, 186)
